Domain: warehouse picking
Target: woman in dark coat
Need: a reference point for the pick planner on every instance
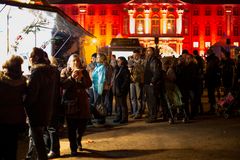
(121, 85)
(12, 114)
(75, 80)
(41, 94)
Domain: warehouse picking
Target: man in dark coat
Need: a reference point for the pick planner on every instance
(152, 83)
(40, 98)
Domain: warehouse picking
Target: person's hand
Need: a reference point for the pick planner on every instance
(77, 74)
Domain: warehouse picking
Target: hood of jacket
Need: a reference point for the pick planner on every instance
(13, 82)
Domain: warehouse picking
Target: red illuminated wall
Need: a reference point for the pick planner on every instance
(201, 23)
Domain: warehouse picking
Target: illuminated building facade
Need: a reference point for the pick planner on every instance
(185, 24)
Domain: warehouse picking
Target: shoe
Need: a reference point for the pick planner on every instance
(52, 154)
(123, 121)
(116, 120)
(80, 147)
(132, 116)
(149, 120)
(74, 153)
(137, 117)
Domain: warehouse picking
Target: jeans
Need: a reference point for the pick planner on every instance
(136, 97)
(51, 138)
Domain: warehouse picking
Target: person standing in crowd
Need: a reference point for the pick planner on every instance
(212, 78)
(121, 85)
(199, 88)
(152, 80)
(227, 66)
(108, 88)
(113, 64)
(90, 67)
(136, 86)
(41, 93)
(12, 113)
(98, 79)
(51, 134)
(75, 80)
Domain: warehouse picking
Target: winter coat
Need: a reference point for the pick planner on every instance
(75, 92)
(152, 71)
(137, 71)
(121, 82)
(12, 93)
(41, 94)
(98, 78)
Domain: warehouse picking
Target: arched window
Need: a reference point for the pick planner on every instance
(155, 25)
(139, 24)
(171, 24)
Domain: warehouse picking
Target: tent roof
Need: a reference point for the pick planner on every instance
(75, 27)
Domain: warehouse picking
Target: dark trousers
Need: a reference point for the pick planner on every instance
(8, 142)
(211, 97)
(152, 101)
(36, 141)
(76, 126)
(122, 108)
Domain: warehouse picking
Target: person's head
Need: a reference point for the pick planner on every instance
(184, 53)
(113, 57)
(136, 54)
(195, 52)
(93, 57)
(38, 56)
(122, 61)
(150, 51)
(74, 62)
(12, 67)
(101, 58)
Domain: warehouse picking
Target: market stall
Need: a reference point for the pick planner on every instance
(24, 26)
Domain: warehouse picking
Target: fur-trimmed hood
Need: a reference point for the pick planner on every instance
(8, 80)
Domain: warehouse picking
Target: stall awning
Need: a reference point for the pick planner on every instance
(62, 19)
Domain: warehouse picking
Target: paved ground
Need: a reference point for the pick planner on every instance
(205, 138)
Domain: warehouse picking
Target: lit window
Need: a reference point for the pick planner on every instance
(236, 44)
(140, 25)
(171, 24)
(207, 44)
(155, 25)
(195, 44)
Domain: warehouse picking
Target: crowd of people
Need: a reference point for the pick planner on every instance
(50, 97)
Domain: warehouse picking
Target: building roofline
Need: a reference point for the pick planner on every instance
(87, 1)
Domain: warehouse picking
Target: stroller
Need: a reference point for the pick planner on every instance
(229, 105)
(175, 106)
